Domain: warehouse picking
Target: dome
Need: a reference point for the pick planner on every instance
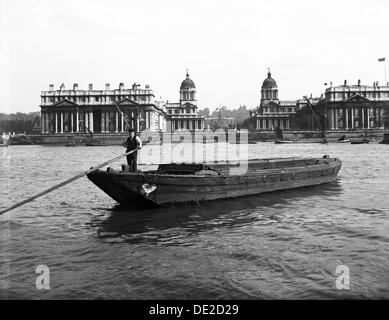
(269, 82)
(187, 83)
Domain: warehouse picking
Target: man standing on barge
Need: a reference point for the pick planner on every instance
(133, 142)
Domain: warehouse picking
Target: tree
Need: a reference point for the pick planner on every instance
(204, 112)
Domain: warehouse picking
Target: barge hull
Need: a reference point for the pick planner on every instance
(154, 190)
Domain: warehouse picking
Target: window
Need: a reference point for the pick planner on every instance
(97, 99)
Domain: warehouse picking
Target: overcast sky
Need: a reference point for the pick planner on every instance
(227, 46)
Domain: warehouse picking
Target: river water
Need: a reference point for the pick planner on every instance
(283, 245)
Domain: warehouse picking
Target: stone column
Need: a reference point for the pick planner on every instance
(91, 121)
(61, 122)
(332, 119)
(346, 125)
(336, 118)
(77, 122)
(363, 118)
(71, 122)
(56, 122)
(102, 121)
(47, 122)
(122, 119)
(368, 117)
(375, 117)
(352, 119)
(116, 121)
(381, 117)
(107, 122)
(86, 120)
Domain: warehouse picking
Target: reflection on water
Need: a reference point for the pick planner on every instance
(285, 244)
(150, 225)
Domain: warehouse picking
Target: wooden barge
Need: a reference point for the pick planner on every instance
(180, 183)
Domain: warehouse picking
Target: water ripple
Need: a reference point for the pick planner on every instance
(282, 245)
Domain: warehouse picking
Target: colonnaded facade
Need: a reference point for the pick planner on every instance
(348, 107)
(80, 111)
(183, 115)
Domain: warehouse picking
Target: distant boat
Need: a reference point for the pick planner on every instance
(182, 183)
(94, 142)
(318, 140)
(281, 141)
(385, 139)
(360, 141)
(342, 139)
(91, 141)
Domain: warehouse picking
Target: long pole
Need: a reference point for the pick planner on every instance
(66, 182)
(128, 124)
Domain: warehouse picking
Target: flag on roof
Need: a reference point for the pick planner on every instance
(381, 59)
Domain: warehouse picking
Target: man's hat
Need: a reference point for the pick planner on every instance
(131, 130)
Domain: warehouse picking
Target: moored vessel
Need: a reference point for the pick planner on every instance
(360, 141)
(181, 183)
(385, 139)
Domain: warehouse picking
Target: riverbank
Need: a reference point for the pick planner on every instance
(177, 136)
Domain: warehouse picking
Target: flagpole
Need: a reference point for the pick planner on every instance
(384, 61)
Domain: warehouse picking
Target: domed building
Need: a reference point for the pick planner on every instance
(188, 90)
(272, 113)
(269, 90)
(184, 115)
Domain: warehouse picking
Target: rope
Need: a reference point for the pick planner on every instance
(66, 182)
